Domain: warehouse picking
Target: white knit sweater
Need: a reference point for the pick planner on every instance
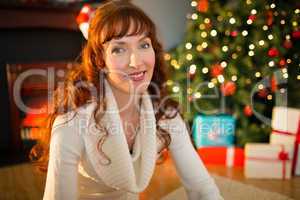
(76, 169)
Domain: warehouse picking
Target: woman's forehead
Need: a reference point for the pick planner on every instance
(125, 28)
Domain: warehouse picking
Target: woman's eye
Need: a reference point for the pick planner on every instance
(145, 45)
(117, 50)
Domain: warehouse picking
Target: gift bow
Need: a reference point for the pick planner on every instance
(283, 155)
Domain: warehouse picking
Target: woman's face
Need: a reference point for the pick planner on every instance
(130, 62)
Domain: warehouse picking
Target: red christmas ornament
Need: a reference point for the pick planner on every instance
(84, 14)
(282, 63)
(202, 6)
(296, 35)
(273, 83)
(248, 111)
(82, 17)
(191, 76)
(287, 44)
(269, 17)
(273, 52)
(190, 98)
(262, 93)
(252, 17)
(228, 88)
(208, 25)
(216, 70)
(234, 33)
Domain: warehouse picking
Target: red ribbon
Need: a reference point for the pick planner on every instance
(282, 156)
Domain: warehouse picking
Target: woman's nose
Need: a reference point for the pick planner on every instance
(135, 60)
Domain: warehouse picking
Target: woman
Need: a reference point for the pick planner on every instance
(112, 117)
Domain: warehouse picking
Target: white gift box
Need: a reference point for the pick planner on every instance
(288, 141)
(286, 119)
(278, 138)
(286, 130)
(272, 161)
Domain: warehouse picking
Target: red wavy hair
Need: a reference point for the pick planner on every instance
(111, 20)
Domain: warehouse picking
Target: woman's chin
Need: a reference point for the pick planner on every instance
(138, 87)
(144, 88)
(132, 87)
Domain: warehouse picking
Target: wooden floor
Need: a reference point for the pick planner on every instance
(21, 182)
(166, 180)
(290, 188)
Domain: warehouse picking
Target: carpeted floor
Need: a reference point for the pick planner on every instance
(232, 190)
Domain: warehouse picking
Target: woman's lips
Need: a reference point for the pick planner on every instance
(137, 76)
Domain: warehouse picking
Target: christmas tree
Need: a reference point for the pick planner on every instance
(238, 57)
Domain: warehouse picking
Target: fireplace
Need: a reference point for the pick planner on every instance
(28, 41)
(30, 89)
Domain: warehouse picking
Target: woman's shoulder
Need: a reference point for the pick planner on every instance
(68, 129)
(171, 115)
(177, 127)
(74, 118)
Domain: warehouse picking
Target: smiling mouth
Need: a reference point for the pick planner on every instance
(137, 76)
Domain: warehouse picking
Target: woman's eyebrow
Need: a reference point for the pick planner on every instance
(122, 42)
(144, 37)
(119, 42)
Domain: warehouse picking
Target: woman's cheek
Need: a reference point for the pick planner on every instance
(119, 68)
(151, 63)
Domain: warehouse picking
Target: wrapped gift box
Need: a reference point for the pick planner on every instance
(213, 130)
(289, 141)
(284, 139)
(285, 120)
(226, 156)
(268, 161)
(286, 130)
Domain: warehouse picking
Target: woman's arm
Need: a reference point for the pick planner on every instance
(65, 151)
(194, 176)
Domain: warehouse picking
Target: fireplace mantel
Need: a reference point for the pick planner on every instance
(39, 17)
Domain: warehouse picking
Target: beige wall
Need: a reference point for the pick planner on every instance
(169, 16)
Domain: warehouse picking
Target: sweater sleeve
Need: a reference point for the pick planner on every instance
(65, 151)
(198, 184)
